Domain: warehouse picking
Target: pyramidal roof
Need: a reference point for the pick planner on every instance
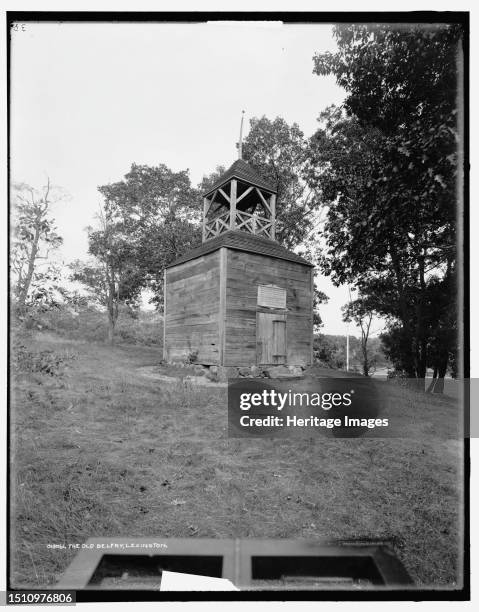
(244, 172)
(242, 241)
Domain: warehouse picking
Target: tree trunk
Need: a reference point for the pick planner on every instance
(439, 386)
(112, 319)
(433, 381)
(23, 292)
(365, 361)
(421, 367)
(404, 314)
(112, 308)
(111, 331)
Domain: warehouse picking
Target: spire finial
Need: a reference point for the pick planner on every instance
(240, 144)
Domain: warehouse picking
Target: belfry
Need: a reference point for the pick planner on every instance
(240, 298)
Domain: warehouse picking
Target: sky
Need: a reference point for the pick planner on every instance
(90, 99)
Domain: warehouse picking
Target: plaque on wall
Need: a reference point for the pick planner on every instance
(271, 296)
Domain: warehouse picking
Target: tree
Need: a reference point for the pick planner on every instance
(387, 167)
(319, 297)
(361, 312)
(112, 277)
(330, 350)
(209, 180)
(325, 351)
(277, 150)
(34, 238)
(158, 212)
(443, 328)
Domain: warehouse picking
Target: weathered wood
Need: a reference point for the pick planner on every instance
(210, 329)
(218, 225)
(272, 203)
(205, 212)
(226, 197)
(222, 305)
(192, 294)
(213, 310)
(204, 286)
(245, 271)
(296, 271)
(233, 204)
(198, 276)
(212, 199)
(203, 295)
(283, 264)
(269, 278)
(271, 338)
(265, 203)
(201, 263)
(244, 194)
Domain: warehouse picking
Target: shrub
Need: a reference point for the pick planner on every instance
(146, 328)
(83, 322)
(43, 362)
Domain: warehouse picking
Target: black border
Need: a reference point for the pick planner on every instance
(460, 17)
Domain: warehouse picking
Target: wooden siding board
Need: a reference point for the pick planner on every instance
(222, 300)
(244, 272)
(192, 295)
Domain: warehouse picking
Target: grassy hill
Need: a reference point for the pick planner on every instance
(99, 450)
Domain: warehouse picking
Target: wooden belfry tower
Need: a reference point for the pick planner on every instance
(240, 299)
(239, 200)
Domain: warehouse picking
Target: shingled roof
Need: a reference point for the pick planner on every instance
(242, 241)
(242, 171)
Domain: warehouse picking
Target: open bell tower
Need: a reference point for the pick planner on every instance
(240, 299)
(240, 200)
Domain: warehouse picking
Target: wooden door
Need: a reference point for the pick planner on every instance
(271, 338)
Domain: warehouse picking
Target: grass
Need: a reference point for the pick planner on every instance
(103, 451)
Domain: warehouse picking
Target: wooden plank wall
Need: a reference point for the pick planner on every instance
(192, 313)
(245, 271)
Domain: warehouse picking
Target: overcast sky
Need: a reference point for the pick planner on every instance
(89, 99)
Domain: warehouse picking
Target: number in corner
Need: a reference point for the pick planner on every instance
(40, 597)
